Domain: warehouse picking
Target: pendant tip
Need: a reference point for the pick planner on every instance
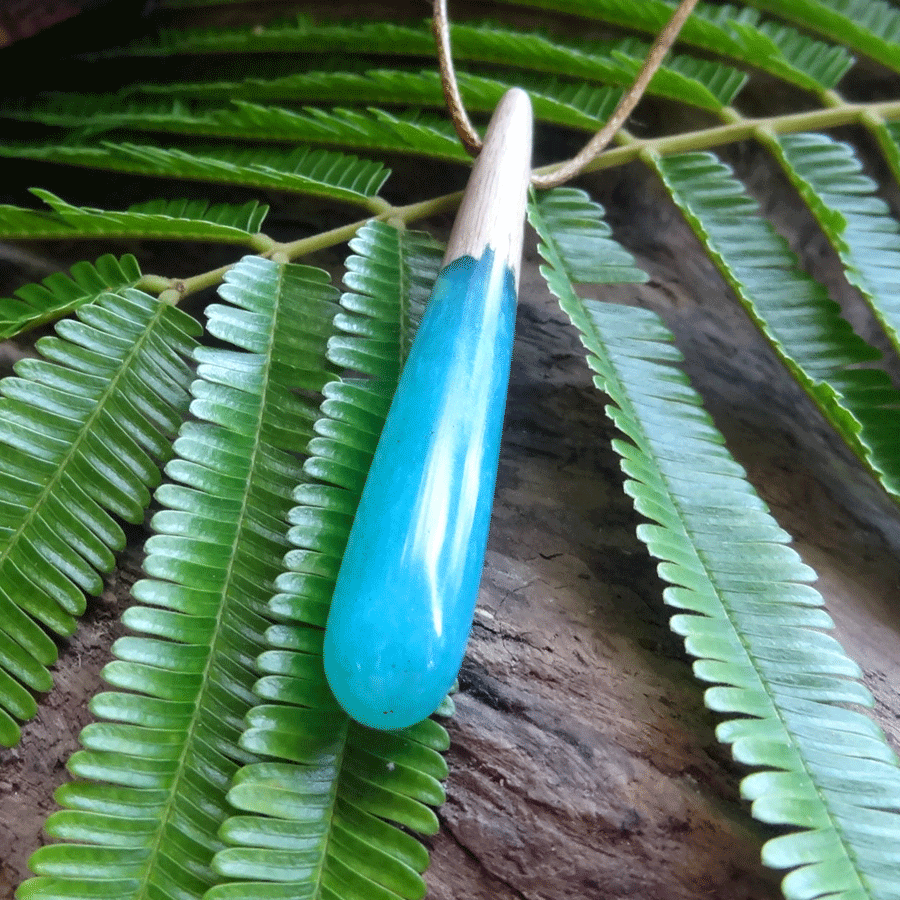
(492, 212)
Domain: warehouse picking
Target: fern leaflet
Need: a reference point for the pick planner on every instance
(803, 325)
(319, 173)
(569, 103)
(314, 821)
(60, 294)
(753, 623)
(858, 224)
(170, 220)
(711, 86)
(736, 32)
(156, 768)
(871, 27)
(83, 431)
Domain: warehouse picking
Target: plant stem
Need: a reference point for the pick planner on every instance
(737, 128)
(399, 215)
(742, 129)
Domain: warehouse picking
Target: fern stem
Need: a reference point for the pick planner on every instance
(293, 250)
(738, 128)
(262, 243)
(742, 129)
(154, 284)
(187, 286)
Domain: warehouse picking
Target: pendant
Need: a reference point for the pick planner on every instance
(406, 590)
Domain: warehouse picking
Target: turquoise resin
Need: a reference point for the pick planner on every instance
(407, 587)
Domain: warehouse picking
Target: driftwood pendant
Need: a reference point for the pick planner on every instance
(406, 591)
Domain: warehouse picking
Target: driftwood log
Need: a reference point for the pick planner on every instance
(584, 765)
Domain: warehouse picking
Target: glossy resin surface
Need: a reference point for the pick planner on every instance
(406, 591)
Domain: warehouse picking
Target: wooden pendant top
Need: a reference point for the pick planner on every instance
(492, 212)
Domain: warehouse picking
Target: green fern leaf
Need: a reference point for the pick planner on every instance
(319, 173)
(612, 64)
(60, 294)
(170, 220)
(820, 66)
(753, 624)
(17, 222)
(83, 430)
(585, 239)
(683, 79)
(728, 30)
(870, 27)
(247, 217)
(373, 130)
(804, 327)
(567, 103)
(375, 326)
(155, 769)
(302, 35)
(316, 819)
(100, 112)
(856, 221)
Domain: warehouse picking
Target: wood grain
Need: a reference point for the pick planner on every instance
(492, 212)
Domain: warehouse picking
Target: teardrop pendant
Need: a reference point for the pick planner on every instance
(406, 591)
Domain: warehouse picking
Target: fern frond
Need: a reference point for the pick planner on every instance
(60, 294)
(170, 220)
(727, 30)
(720, 81)
(317, 818)
(216, 550)
(318, 173)
(82, 432)
(754, 625)
(869, 27)
(371, 130)
(374, 130)
(683, 79)
(802, 324)
(584, 239)
(711, 87)
(101, 112)
(374, 324)
(568, 103)
(858, 223)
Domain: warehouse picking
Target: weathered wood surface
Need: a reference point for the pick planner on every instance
(584, 765)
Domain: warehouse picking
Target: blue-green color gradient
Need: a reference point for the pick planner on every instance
(407, 587)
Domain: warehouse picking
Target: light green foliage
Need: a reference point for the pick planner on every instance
(857, 222)
(352, 777)
(167, 738)
(171, 219)
(218, 764)
(428, 136)
(793, 311)
(84, 428)
(322, 173)
(751, 621)
(699, 82)
(573, 103)
(870, 27)
(728, 30)
(60, 294)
